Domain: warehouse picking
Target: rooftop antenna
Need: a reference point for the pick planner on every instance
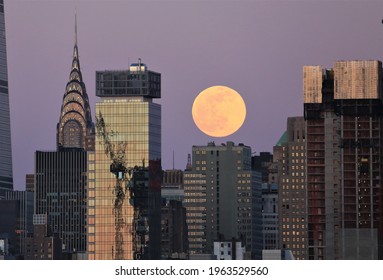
(173, 159)
(75, 26)
(139, 74)
(188, 165)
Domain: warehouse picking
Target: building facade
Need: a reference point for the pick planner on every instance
(42, 245)
(270, 216)
(16, 212)
(25, 201)
(292, 188)
(261, 163)
(6, 179)
(60, 194)
(131, 125)
(75, 128)
(30, 182)
(172, 187)
(61, 176)
(229, 250)
(343, 112)
(223, 199)
(174, 234)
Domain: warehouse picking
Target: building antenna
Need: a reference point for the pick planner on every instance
(75, 26)
(173, 159)
(188, 165)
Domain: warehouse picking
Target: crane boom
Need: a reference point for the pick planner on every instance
(116, 154)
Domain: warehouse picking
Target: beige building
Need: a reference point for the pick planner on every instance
(312, 84)
(357, 79)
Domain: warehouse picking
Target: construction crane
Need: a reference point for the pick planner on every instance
(116, 153)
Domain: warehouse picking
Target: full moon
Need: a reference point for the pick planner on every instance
(219, 111)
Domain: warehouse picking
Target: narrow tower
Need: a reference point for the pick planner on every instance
(75, 128)
(6, 181)
(61, 176)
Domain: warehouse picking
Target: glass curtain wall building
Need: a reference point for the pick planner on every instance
(6, 181)
(132, 123)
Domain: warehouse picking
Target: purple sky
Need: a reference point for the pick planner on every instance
(256, 47)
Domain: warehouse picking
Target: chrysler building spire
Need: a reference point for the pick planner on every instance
(75, 128)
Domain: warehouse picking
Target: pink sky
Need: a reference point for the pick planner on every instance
(257, 48)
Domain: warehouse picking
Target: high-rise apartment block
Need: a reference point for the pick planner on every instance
(6, 179)
(119, 225)
(223, 199)
(290, 155)
(343, 113)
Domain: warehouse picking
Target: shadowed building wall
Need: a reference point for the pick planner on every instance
(343, 113)
(6, 179)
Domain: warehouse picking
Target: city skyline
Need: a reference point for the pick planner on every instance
(256, 48)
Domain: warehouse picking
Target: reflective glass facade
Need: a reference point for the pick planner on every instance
(134, 127)
(137, 81)
(6, 181)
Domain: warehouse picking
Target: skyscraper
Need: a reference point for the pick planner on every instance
(270, 217)
(6, 179)
(343, 112)
(223, 199)
(61, 176)
(75, 128)
(290, 153)
(121, 222)
(60, 194)
(16, 212)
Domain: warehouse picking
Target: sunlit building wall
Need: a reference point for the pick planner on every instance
(133, 122)
(357, 79)
(312, 84)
